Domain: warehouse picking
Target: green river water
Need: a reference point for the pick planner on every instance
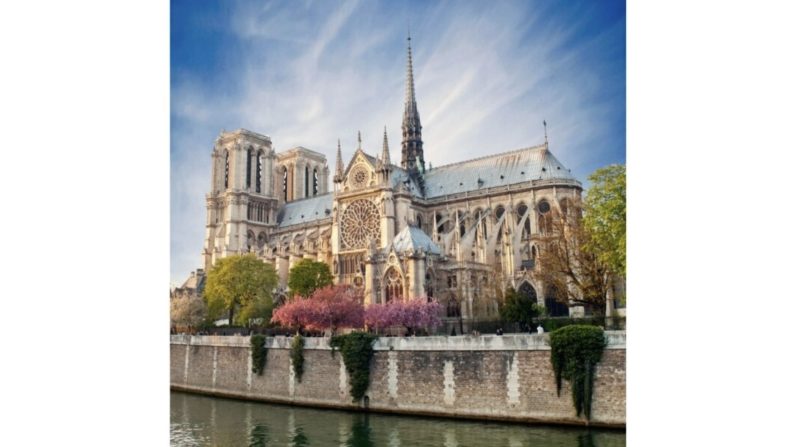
(209, 421)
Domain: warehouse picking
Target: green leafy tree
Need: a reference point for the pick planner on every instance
(307, 275)
(518, 308)
(605, 217)
(240, 282)
(257, 312)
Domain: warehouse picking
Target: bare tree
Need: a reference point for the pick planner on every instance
(188, 311)
(565, 263)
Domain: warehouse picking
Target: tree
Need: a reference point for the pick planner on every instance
(605, 217)
(413, 314)
(567, 264)
(240, 282)
(307, 275)
(257, 312)
(188, 310)
(518, 308)
(331, 307)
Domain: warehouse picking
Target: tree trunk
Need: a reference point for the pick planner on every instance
(231, 314)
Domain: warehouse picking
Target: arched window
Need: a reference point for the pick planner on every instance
(483, 223)
(259, 172)
(249, 155)
(393, 285)
(439, 224)
(429, 284)
(250, 240)
(462, 224)
(554, 307)
(521, 211)
(499, 211)
(453, 308)
(544, 217)
(528, 291)
(419, 220)
(314, 182)
(284, 182)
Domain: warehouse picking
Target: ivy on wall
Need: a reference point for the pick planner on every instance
(576, 350)
(258, 353)
(297, 355)
(357, 351)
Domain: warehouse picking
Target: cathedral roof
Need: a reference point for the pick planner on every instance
(413, 238)
(305, 210)
(522, 165)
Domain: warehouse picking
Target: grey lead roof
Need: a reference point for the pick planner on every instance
(413, 238)
(305, 210)
(532, 163)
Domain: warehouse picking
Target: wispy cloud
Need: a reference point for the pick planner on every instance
(307, 73)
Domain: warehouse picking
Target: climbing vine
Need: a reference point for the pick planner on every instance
(258, 353)
(357, 351)
(576, 350)
(297, 356)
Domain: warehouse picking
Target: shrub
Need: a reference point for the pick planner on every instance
(576, 350)
(297, 356)
(357, 351)
(259, 353)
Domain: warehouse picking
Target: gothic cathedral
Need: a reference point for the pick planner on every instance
(459, 233)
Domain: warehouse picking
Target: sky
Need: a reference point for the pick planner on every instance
(310, 72)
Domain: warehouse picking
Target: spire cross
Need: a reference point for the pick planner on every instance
(545, 132)
(360, 139)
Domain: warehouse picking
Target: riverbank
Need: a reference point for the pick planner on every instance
(487, 377)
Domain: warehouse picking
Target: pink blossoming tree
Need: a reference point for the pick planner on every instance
(331, 307)
(413, 314)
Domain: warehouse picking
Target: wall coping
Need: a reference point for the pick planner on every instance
(488, 342)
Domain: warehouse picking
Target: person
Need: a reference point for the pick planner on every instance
(499, 331)
(540, 329)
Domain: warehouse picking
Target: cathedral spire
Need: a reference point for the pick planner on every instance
(412, 158)
(385, 159)
(338, 172)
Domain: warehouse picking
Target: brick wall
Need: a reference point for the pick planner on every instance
(486, 377)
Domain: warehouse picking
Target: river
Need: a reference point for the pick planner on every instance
(210, 421)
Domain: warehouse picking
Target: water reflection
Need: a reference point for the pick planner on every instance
(360, 432)
(206, 421)
(259, 436)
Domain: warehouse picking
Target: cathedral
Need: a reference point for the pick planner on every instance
(459, 233)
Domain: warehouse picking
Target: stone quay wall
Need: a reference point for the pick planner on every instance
(487, 377)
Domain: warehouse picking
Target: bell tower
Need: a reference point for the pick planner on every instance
(241, 205)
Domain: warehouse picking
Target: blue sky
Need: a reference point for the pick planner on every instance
(309, 72)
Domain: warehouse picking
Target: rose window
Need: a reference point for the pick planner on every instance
(360, 177)
(360, 222)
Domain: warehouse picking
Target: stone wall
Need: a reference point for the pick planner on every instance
(505, 377)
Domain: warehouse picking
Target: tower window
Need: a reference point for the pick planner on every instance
(306, 181)
(226, 170)
(284, 182)
(259, 172)
(249, 154)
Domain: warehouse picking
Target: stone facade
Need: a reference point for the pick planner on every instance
(460, 233)
(486, 377)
